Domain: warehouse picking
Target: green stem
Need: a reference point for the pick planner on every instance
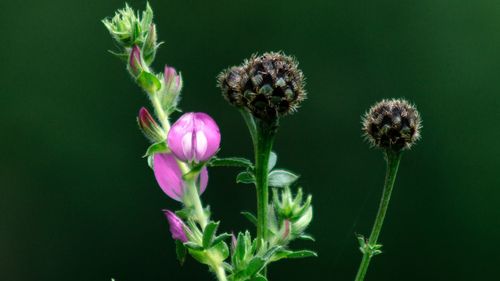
(393, 158)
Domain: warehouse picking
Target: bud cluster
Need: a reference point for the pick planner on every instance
(129, 29)
(292, 214)
(392, 124)
(268, 86)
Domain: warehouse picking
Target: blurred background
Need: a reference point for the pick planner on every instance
(77, 201)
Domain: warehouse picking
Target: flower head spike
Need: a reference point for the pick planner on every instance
(195, 137)
(268, 86)
(177, 226)
(169, 176)
(149, 127)
(392, 124)
(128, 28)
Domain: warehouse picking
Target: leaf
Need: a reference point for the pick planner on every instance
(230, 162)
(149, 82)
(254, 266)
(245, 177)
(195, 170)
(288, 254)
(200, 256)
(181, 251)
(220, 238)
(306, 237)
(209, 234)
(193, 246)
(301, 254)
(281, 178)
(258, 278)
(273, 158)
(250, 217)
(222, 249)
(159, 147)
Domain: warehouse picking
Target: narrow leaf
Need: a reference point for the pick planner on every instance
(193, 246)
(209, 233)
(301, 254)
(250, 217)
(230, 162)
(181, 251)
(221, 238)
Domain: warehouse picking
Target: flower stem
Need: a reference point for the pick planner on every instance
(392, 158)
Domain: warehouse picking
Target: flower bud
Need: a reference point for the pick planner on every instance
(268, 86)
(128, 28)
(195, 137)
(173, 81)
(150, 45)
(135, 61)
(149, 127)
(295, 213)
(169, 176)
(177, 226)
(392, 124)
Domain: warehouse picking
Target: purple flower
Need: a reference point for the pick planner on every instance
(149, 127)
(194, 137)
(169, 176)
(135, 61)
(177, 226)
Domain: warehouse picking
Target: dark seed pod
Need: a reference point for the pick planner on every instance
(269, 86)
(392, 124)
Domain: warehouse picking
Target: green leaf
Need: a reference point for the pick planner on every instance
(258, 278)
(149, 82)
(301, 254)
(245, 177)
(222, 249)
(230, 162)
(250, 217)
(273, 158)
(254, 266)
(281, 178)
(181, 251)
(220, 238)
(241, 249)
(193, 246)
(306, 237)
(200, 256)
(209, 234)
(288, 254)
(159, 147)
(195, 170)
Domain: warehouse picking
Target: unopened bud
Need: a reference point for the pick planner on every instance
(268, 86)
(135, 61)
(392, 124)
(149, 127)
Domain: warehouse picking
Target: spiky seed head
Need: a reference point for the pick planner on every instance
(268, 86)
(392, 124)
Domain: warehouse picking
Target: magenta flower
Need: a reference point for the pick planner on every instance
(169, 176)
(149, 127)
(177, 226)
(135, 61)
(194, 137)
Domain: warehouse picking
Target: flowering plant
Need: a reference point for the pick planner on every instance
(264, 88)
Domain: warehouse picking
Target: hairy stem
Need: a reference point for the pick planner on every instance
(392, 158)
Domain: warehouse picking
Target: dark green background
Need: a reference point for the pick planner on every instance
(77, 202)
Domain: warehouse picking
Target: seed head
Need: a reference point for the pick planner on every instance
(392, 124)
(268, 86)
